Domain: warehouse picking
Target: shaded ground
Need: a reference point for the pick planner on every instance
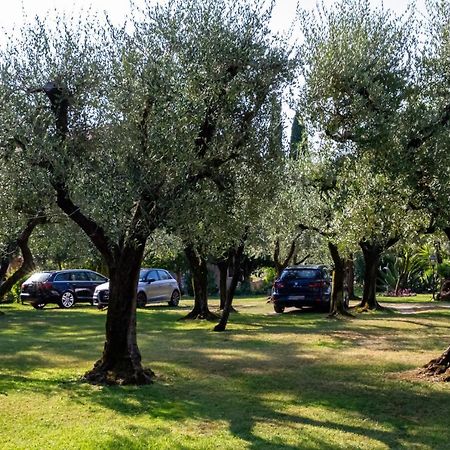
(290, 381)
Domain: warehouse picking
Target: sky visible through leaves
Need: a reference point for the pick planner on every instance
(12, 11)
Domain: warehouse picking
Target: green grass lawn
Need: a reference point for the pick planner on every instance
(291, 381)
(419, 298)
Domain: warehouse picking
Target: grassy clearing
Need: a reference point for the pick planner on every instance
(419, 298)
(291, 381)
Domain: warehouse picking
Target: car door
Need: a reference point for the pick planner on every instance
(82, 285)
(152, 286)
(63, 282)
(167, 284)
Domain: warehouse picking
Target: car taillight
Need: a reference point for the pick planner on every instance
(316, 285)
(46, 285)
(278, 285)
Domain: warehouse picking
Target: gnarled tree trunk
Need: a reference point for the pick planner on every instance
(350, 277)
(223, 265)
(121, 359)
(439, 366)
(197, 264)
(337, 305)
(232, 288)
(372, 254)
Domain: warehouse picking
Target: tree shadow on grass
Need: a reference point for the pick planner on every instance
(387, 420)
(237, 381)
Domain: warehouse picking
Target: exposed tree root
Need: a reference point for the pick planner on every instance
(219, 327)
(232, 310)
(101, 374)
(201, 315)
(364, 307)
(438, 367)
(339, 314)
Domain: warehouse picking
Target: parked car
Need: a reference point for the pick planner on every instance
(300, 286)
(63, 287)
(155, 285)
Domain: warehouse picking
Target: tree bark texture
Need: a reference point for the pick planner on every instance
(223, 266)
(199, 270)
(121, 359)
(221, 326)
(439, 366)
(372, 254)
(350, 277)
(337, 304)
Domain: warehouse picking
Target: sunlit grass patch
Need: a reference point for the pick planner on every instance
(296, 380)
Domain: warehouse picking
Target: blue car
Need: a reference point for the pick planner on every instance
(63, 287)
(300, 286)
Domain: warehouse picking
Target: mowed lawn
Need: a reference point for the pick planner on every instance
(291, 381)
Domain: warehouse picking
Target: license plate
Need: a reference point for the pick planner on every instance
(296, 297)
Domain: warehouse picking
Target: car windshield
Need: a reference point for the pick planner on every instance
(40, 276)
(295, 274)
(143, 274)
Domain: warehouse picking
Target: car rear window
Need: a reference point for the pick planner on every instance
(64, 276)
(94, 276)
(295, 274)
(40, 276)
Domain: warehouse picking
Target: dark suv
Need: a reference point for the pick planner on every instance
(302, 286)
(63, 287)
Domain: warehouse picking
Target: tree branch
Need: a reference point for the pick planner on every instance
(95, 232)
(416, 141)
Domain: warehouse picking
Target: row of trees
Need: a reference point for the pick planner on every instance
(174, 124)
(165, 124)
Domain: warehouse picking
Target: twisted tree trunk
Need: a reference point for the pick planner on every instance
(121, 359)
(223, 265)
(197, 264)
(337, 304)
(221, 326)
(372, 254)
(350, 277)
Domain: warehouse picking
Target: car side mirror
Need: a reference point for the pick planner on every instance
(150, 280)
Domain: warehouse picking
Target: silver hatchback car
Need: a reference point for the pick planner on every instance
(155, 285)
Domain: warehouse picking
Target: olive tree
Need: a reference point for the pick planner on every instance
(120, 122)
(425, 135)
(358, 66)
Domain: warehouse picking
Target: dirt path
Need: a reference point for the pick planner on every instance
(411, 308)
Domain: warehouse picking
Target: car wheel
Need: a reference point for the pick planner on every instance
(141, 299)
(38, 305)
(67, 300)
(278, 308)
(175, 299)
